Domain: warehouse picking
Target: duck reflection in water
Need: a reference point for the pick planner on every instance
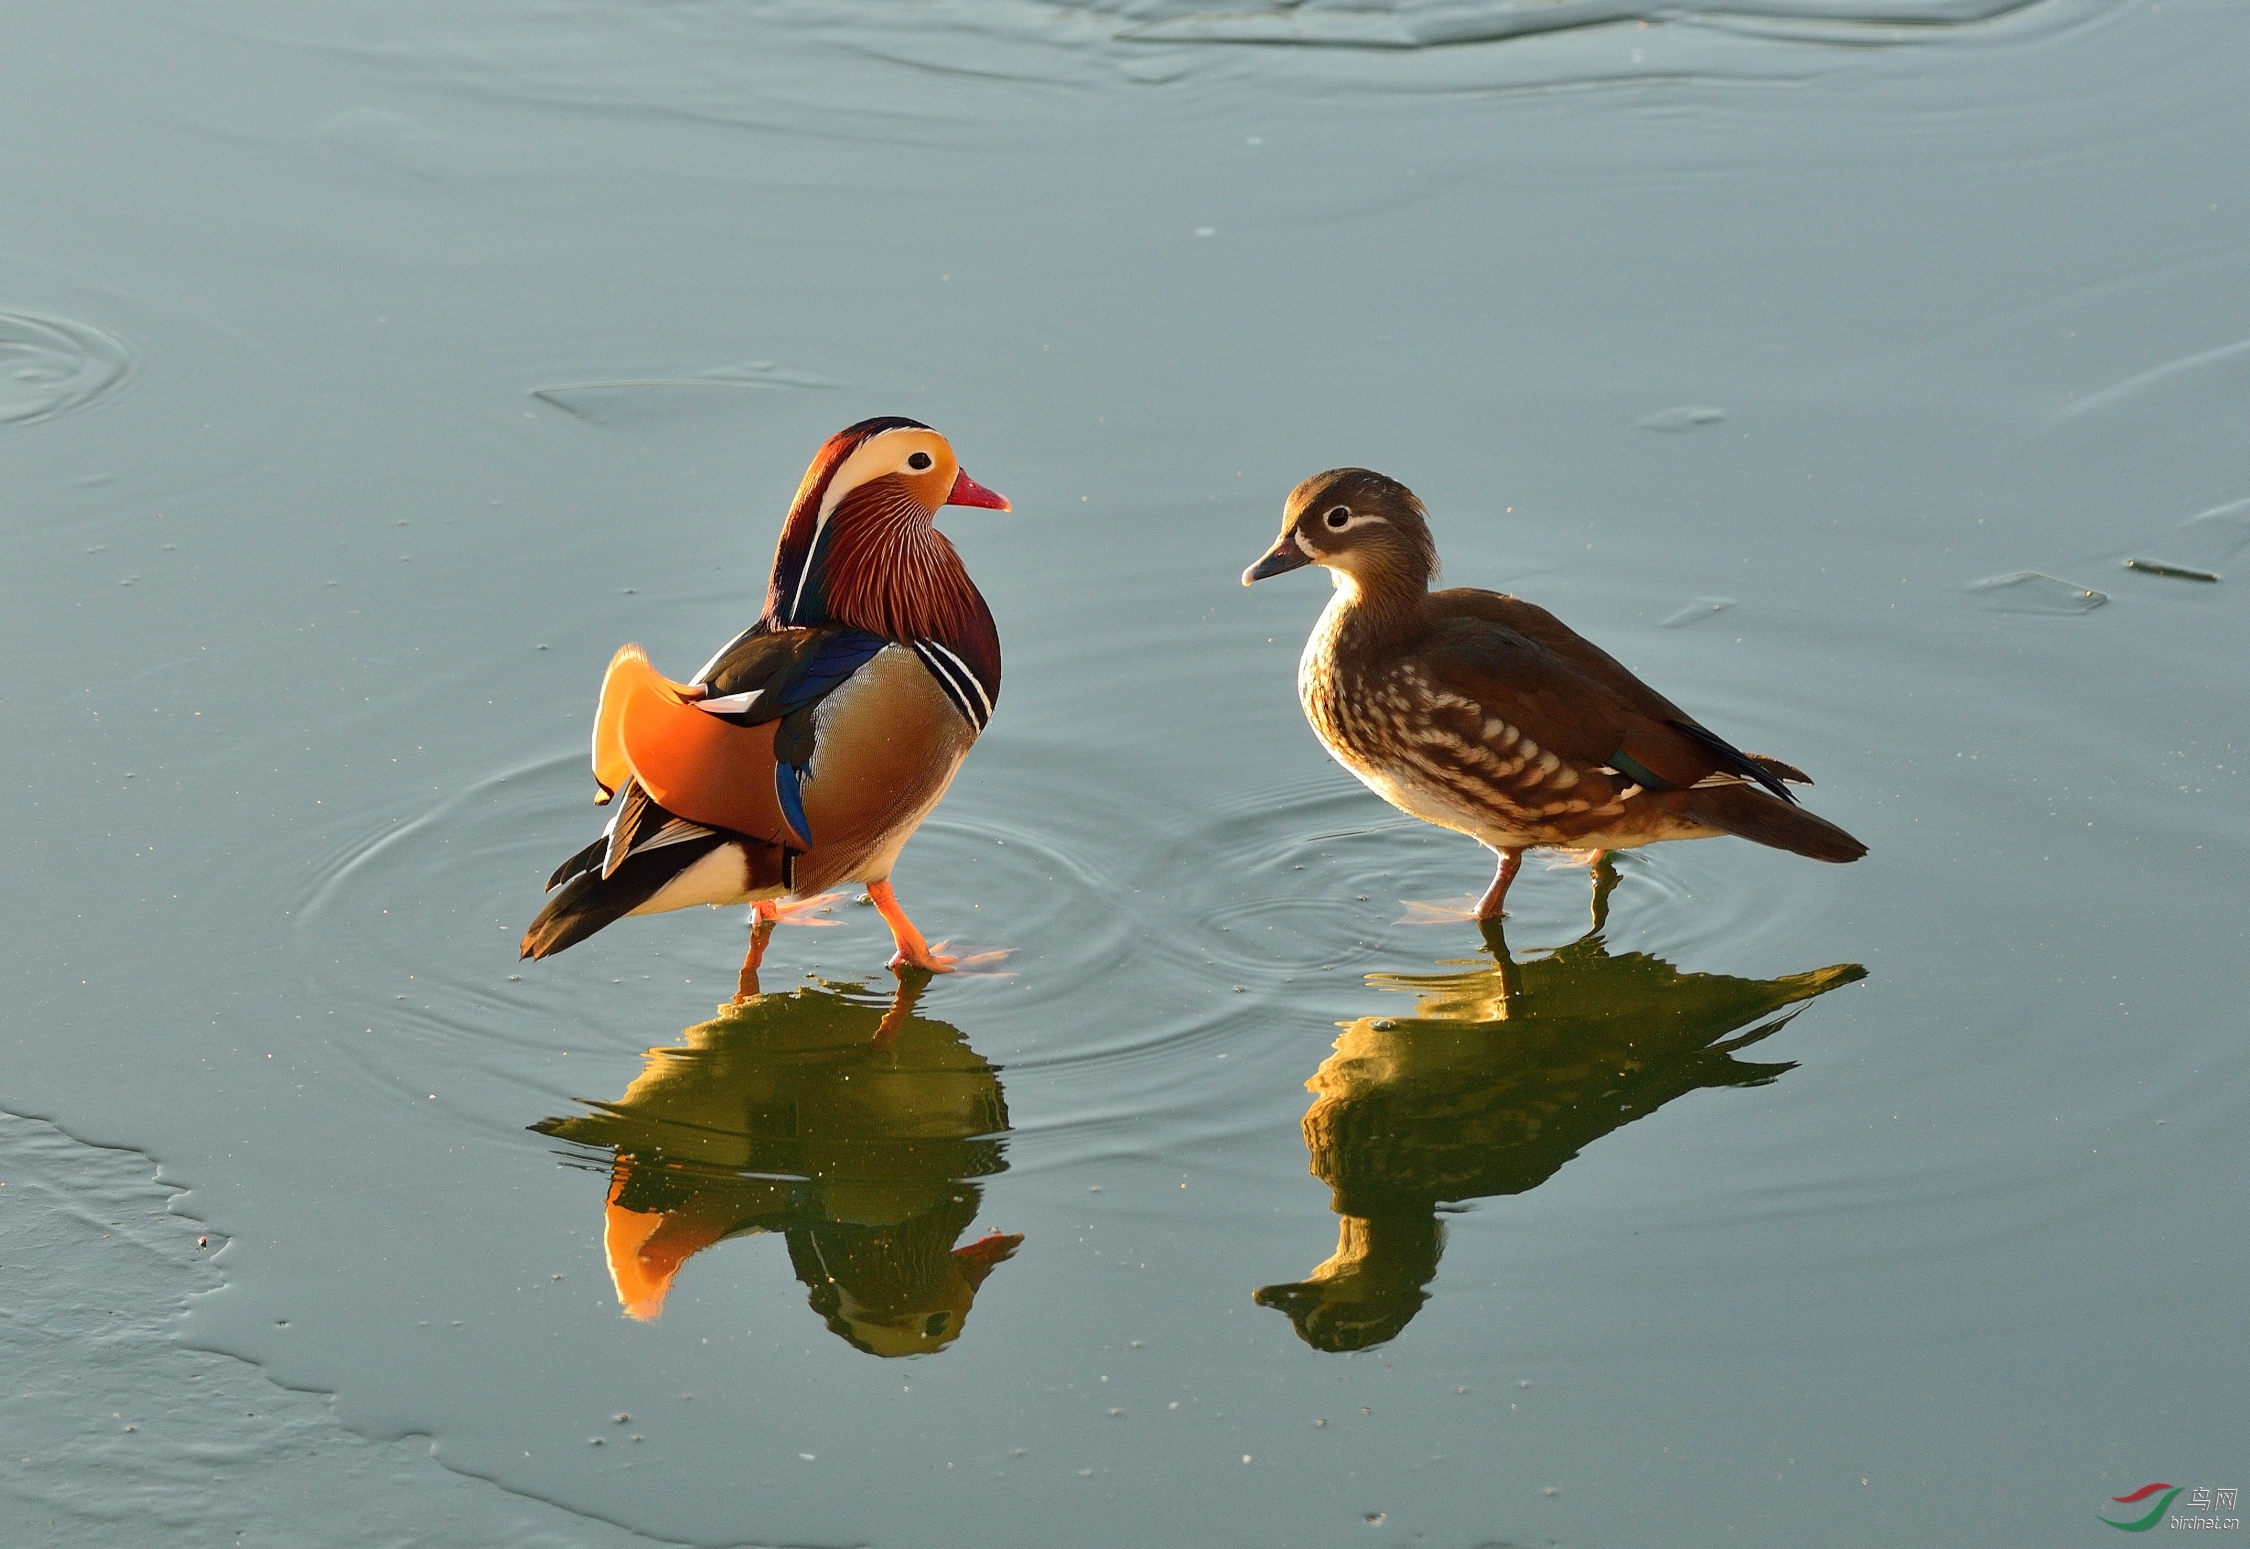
(857, 1133)
(1504, 1072)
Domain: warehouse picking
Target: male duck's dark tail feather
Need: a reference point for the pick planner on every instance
(587, 859)
(1749, 813)
(587, 900)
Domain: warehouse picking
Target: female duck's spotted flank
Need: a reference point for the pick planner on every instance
(1488, 715)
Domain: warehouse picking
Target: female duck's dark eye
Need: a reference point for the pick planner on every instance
(1339, 515)
(920, 462)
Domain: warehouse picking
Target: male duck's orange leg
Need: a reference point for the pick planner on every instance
(912, 951)
(1488, 907)
(765, 914)
(762, 917)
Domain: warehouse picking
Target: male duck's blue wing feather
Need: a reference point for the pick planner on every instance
(784, 675)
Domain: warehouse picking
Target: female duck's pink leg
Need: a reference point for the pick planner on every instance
(1488, 907)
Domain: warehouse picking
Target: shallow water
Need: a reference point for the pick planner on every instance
(367, 375)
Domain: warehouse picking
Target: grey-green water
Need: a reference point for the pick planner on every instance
(368, 373)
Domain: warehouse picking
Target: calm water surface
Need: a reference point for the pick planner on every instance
(368, 374)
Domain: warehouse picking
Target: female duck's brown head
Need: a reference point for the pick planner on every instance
(859, 547)
(1360, 524)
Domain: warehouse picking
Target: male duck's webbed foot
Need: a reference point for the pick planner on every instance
(798, 911)
(913, 951)
(930, 957)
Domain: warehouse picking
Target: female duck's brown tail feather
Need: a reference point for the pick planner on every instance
(1749, 813)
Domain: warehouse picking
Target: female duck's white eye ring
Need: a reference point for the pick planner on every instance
(1339, 517)
(920, 462)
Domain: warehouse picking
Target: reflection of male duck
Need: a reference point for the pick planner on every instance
(855, 1132)
(1504, 1073)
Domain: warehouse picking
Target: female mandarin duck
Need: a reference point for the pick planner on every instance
(807, 751)
(1485, 714)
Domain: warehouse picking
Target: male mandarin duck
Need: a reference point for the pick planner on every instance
(809, 749)
(1485, 714)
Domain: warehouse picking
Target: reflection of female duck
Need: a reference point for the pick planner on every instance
(855, 1132)
(1503, 1074)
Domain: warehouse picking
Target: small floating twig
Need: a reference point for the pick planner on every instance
(2159, 567)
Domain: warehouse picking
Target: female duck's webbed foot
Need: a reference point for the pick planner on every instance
(1488, 907)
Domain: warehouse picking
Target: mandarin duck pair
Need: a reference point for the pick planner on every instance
(807, 751)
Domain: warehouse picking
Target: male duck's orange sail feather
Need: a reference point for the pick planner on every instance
(692, 763)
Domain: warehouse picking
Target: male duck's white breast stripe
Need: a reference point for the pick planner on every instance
(960, 684)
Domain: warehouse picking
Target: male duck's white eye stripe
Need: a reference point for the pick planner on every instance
(812, 553)
(960, 684)
(731, 704)
(867, 461)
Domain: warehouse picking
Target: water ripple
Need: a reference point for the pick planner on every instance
(1416, 24)
(51, 366)
(406, 925)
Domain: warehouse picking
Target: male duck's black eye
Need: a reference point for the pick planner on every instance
(1339, 515)
(920, 462)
